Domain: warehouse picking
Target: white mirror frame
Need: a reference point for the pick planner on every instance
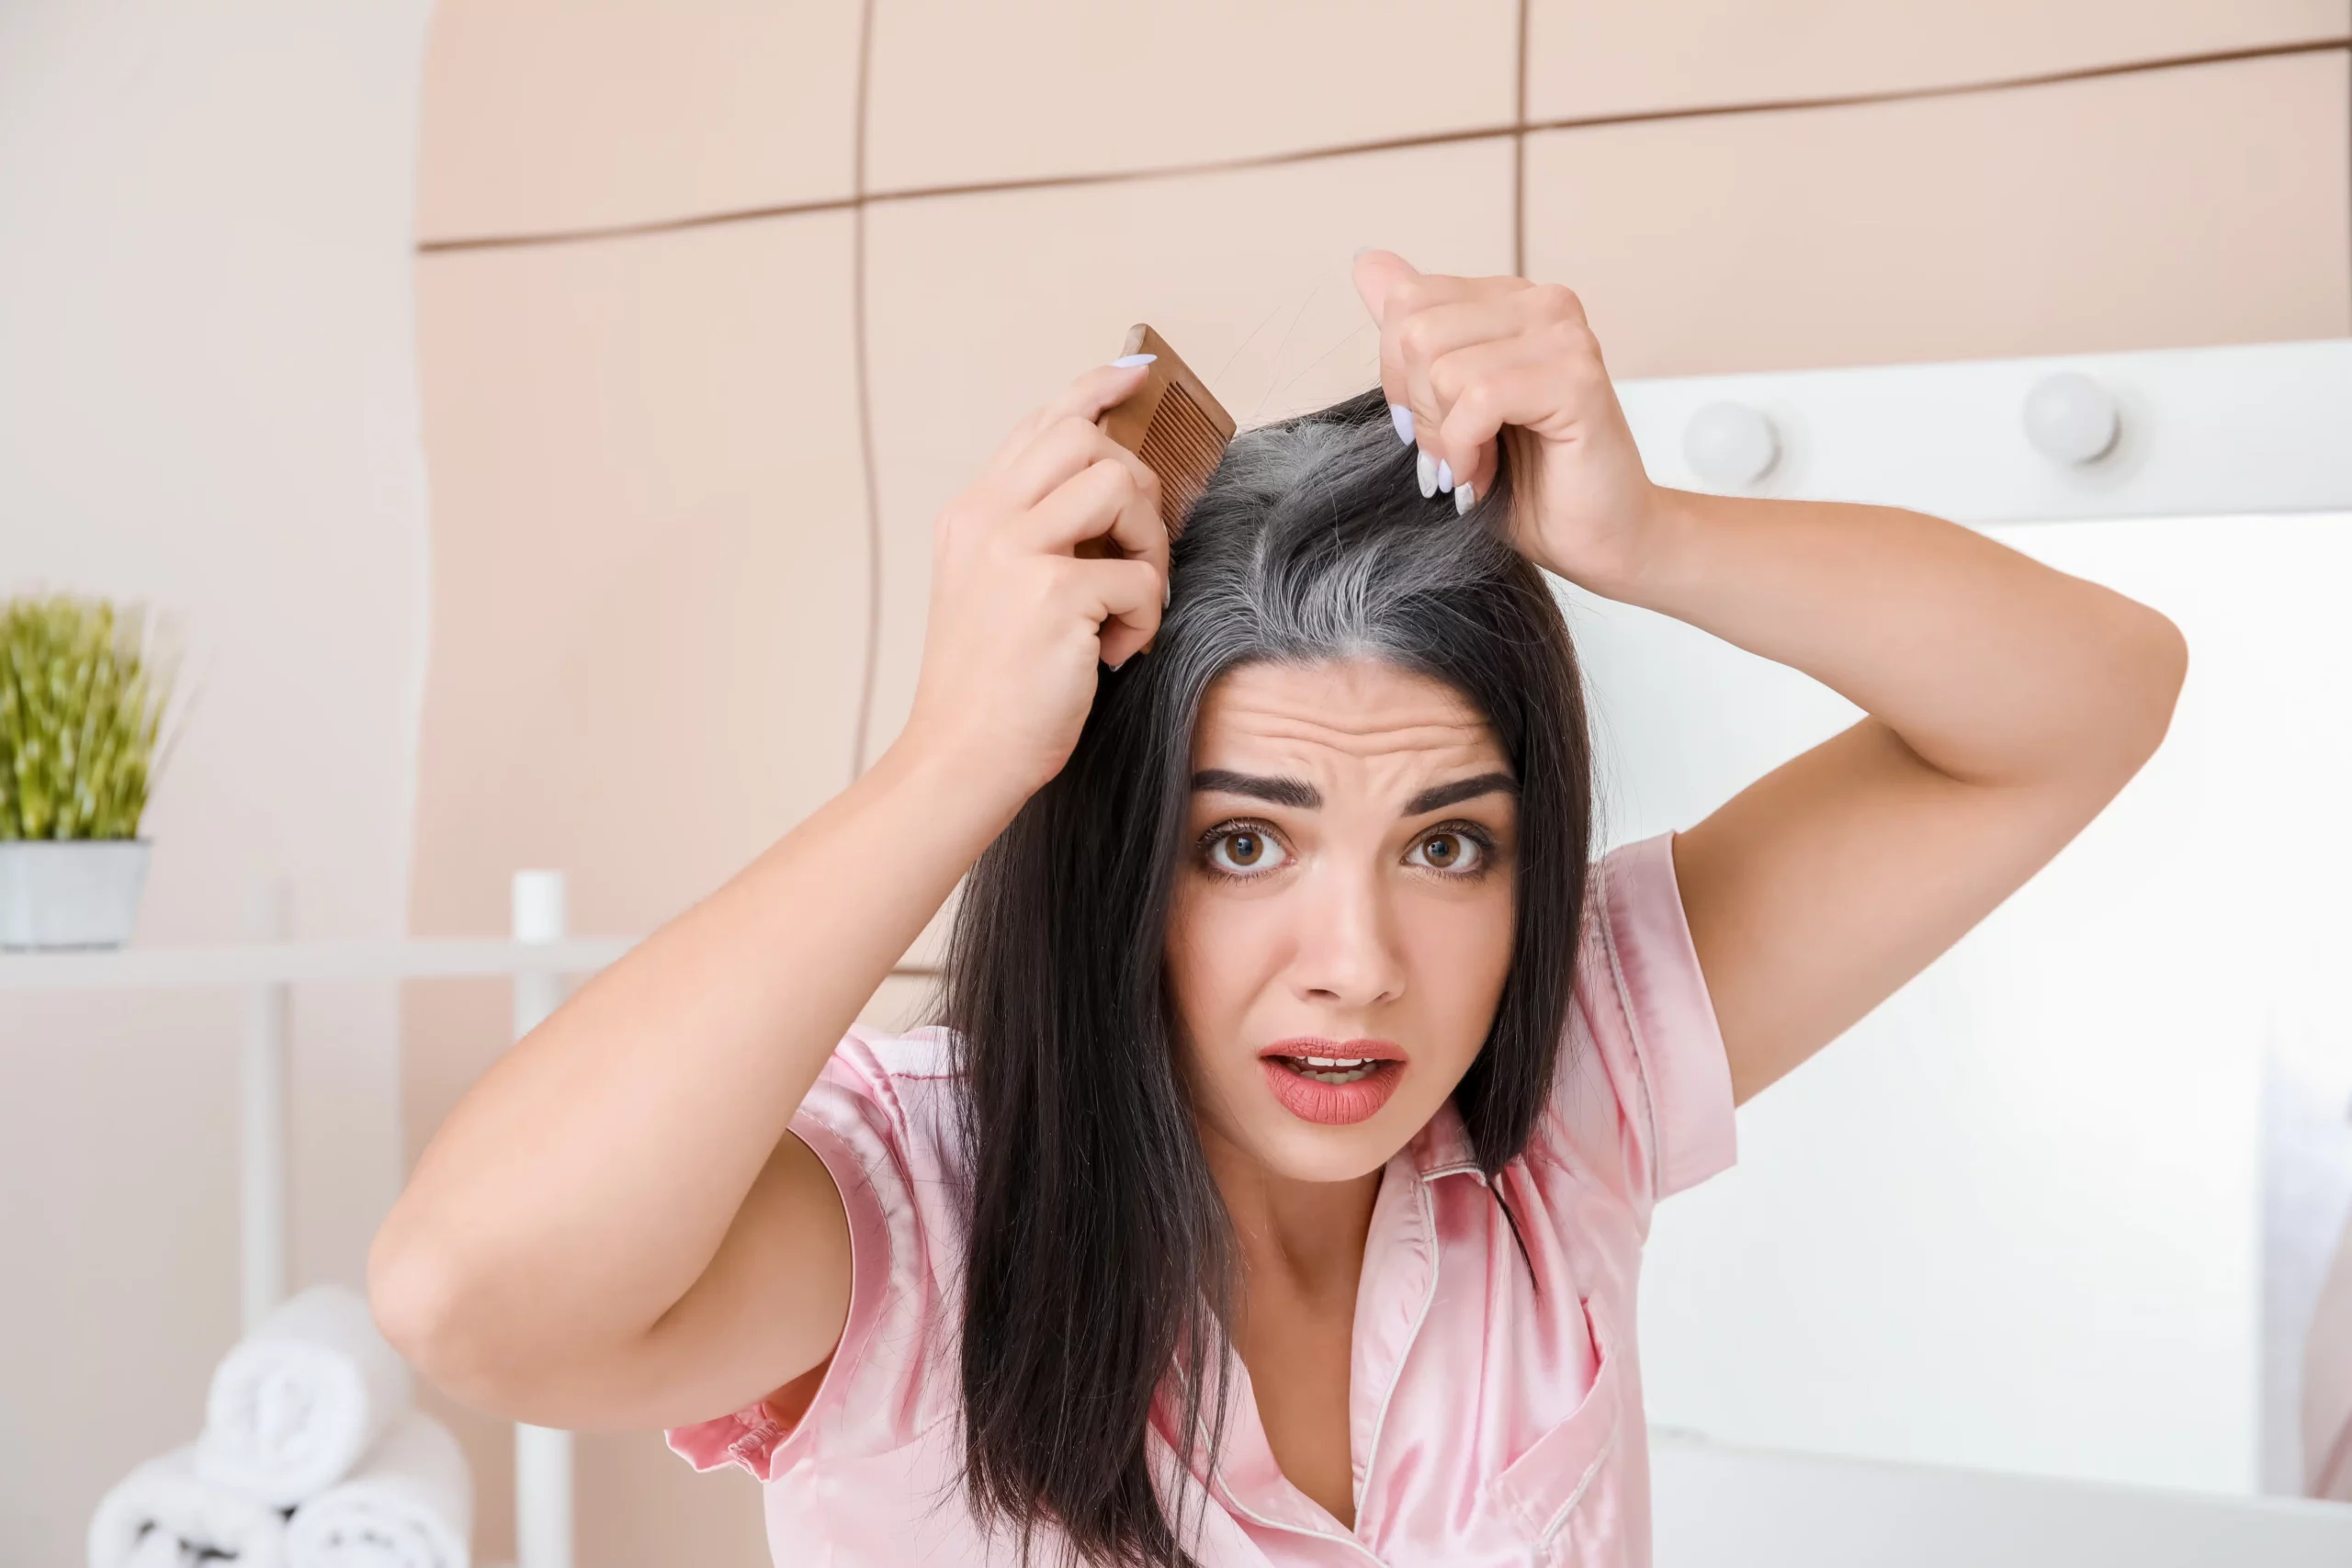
(2255, 427)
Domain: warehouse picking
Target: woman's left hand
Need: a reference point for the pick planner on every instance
(1470, 361)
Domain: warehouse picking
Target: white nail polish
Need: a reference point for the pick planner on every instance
(1461, 500)
(1402, 417)
(1445, 477)
(1129, 361)
(1426, 472)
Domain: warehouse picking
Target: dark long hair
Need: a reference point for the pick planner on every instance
(1101, 1260)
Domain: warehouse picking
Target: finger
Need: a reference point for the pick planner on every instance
(1376, 273)
(1427, 316)
(1494, 310)
(1545, 377)
(1430, 334)
(1123, 598)
(1379, 274)
(1105, 498)
(1516, 385)
(1070, 446)
(1471, 385)
(1401, 299)
(1084, 397)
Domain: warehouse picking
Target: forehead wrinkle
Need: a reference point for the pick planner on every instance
(1356, 740)
(1400, 736)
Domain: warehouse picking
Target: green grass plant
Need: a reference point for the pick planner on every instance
(83, 690)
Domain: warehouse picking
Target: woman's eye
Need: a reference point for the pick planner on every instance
(1244, 850)
(1451, 851)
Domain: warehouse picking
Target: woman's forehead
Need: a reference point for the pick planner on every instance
(1342, 713)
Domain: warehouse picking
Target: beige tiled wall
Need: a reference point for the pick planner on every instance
(2199, 205)
(550, 114)
(651, 375)
(961, 93)
(1592, 57)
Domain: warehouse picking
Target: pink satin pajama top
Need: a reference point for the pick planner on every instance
(1489, 1425)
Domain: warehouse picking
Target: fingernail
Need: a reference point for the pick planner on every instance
(1402, 417)
(1128, 362)
(1359, 251)
(1425, 471)
(1461, 500)
(1445, 476)
(1167, 594)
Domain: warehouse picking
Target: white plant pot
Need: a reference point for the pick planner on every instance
(69, 892)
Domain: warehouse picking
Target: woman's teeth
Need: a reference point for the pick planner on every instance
(1332, 1069)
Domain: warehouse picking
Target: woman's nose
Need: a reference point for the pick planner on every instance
(1348, 952)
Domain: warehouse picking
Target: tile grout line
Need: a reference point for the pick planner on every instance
(861, 197)
(864, 400)
(1959, 89)
(1518, 156)
(638, 230)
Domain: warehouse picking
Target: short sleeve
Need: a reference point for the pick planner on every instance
(1643, 1097)
(879, 1118)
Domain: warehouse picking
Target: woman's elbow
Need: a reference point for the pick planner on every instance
(431, 1312)
(2165, 670)
(412, 1292)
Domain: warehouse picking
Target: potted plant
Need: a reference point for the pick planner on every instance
(82, 694)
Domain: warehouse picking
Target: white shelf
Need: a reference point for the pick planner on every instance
(305, 963)
(297, 963)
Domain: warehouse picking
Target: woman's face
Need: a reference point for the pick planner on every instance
(1346, 893)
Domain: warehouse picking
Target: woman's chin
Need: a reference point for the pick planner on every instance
(1304, 1149)
(1321, 1156)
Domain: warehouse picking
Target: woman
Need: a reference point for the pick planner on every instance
(1274, 1189)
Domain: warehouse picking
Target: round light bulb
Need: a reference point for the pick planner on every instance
(2070, 418)
(1730, 445)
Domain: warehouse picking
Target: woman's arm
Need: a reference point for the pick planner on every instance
(612, 1228)
(2009, 702)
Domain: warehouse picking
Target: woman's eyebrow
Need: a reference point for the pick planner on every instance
(1295, 793)
(1304, 796)
(1460, 790)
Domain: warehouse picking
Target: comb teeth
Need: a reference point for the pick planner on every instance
(1183, 447)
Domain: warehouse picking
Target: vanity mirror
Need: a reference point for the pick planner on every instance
(2073, 1203)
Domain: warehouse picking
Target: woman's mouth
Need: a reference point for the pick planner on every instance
(1337, 1084)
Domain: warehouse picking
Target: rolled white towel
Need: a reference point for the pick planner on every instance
(300, 1398)
(159, 1549)
(409, 1505)
(162, 1514)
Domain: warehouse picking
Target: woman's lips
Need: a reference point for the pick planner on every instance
(1333, 1104)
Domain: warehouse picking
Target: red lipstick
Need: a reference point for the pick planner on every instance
(1332, 1082)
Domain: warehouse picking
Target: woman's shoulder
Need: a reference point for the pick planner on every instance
(896, 1068)
(921, 1054)
(1643, 1099)
(882, 1118)
(894, 1088)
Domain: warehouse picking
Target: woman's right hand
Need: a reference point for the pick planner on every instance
(1019, 620)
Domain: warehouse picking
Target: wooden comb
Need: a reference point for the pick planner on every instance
(1173, 423)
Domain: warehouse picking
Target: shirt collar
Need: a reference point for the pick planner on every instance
(1442, 1147)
